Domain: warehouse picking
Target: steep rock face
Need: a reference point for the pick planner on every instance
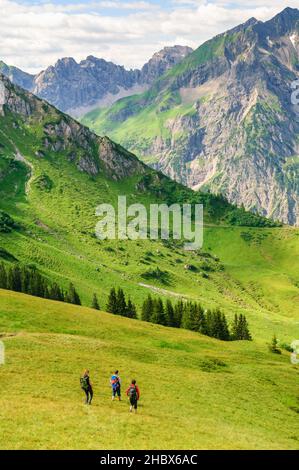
(76, 88)
(54, 132)
(222, 120)
(162, 61)
(69, 85)
(17, 76)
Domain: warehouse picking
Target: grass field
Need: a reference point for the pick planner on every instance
(196, 392)
(257, 272)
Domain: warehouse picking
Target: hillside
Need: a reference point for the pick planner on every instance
(78, 87)
(222, 119)
(54, 172)
(196, 393)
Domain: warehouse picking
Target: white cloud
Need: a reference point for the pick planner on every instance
(35, 36)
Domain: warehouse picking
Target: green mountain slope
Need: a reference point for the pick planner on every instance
(223, 119)
(55, 172)
(196, 393)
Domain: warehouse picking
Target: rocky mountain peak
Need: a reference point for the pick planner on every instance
(62, 135)
(283, 23)
(76, 87)
(223, 120)
(162, 61)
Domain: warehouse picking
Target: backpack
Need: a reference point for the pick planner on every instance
(133, 393)
(84, 382)
(114, 382)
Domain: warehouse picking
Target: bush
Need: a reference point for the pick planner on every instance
(157, 274)
(7, 224)
(273, 346)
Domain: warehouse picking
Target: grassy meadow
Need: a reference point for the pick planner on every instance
(196, 392)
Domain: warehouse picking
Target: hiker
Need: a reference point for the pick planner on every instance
(116, 385)
(86, 386)
(133, 393)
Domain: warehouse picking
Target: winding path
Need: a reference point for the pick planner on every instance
(20, 158)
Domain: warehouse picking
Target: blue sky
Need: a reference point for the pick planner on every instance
(35, 34)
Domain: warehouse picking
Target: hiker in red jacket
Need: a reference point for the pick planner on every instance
(133, 393)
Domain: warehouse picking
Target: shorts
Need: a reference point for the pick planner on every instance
(133, 403)
(116, 391)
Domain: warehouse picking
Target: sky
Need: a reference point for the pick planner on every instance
(35, 34)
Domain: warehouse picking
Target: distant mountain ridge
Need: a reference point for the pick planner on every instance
(222, 119)
(76, 87)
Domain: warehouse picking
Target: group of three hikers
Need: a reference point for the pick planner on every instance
(132, 392)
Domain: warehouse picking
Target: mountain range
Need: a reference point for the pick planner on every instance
(76, 88)
(54, 172)
(219, 119)
(222, 119)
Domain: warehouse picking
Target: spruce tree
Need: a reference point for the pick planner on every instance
(131, 310)
(240, 329)
(3, 277)
(158, 312)
(235, 328)
(147, 309)
(274, 345)
(203, 328)
(95, 303)
(14, 279)
(178, 313)
(55, 293)
(225, 334)
(73, 296)
(209, 323)
(245, 334)
(187, 316)
(121, 306)
(112, 302)
(169, 314)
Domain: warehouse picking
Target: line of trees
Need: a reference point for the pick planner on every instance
(192, 316)
(118, 305)
(188, 315)
(29, 280)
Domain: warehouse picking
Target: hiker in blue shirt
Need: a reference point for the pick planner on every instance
(115, 383)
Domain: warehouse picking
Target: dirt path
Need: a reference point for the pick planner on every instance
(20, 158)
(163, 291)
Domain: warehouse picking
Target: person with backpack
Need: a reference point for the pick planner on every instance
(115, 383)
(133, 393)
(86, 386)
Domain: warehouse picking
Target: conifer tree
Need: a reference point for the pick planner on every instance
(185, 321)
(244, 327)
(240, 328)
(14, 279)
(274, 345)
(147, 309)
(3, 277)
(178, 313)
(121, 306)
(235, 328)
(73, 296)
(224, 330)
(131, 310)
(112, 302)
(158, 312)
(55, 293)
(95, 303)
(169, 314)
